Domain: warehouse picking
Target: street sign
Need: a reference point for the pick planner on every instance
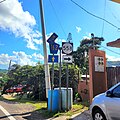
(52, 38)
(67, 58)
(54, 48)
(67, 48)
(51, 58)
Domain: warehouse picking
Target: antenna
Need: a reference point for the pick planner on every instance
(69, 39)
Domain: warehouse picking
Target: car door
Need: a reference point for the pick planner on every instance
(113, 104)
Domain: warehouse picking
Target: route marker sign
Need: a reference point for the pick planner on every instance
(54, 48)
(67, 58)
(52, 38)
(67, 48)
(51, 58)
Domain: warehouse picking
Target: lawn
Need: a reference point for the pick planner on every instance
(41, 106)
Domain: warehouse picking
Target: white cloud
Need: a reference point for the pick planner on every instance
(38, 56)
(39, 42)
(88, 36)
(23, 58)
(78, 29)
(60, 40)
(5, 59)
(21, 23)
(20, 58)
(112, 58)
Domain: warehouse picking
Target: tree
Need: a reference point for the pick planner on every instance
(79, 55)
(33, 77)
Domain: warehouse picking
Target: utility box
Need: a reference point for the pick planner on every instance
(55, 100)
(64, 98)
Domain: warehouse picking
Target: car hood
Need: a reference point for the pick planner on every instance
(99, 97)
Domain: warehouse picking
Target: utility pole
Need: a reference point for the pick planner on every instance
(9, 65)
(47, 74)
(92, 36)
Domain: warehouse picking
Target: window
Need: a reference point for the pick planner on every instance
(116, 92)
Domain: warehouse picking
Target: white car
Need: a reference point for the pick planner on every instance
(106, 106)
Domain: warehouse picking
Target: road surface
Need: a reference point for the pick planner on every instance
(17, 111)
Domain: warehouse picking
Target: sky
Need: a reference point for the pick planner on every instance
(21, 35)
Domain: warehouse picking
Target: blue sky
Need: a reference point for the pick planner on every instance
(20, 27)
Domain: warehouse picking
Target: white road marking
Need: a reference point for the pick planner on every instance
(7, 113)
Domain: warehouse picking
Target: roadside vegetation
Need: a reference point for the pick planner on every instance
(32, 80)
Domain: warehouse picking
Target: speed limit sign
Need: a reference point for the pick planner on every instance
(67, 48)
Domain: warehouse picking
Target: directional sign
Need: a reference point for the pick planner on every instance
(54, 48)
(67, 48)
(67, 58)
(52, 38)
(51, 58)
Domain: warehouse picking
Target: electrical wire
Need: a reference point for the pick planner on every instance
(104, 18)
(110, 50)
(57, 18)
(2, 1)
(95, 15)
(113, 14)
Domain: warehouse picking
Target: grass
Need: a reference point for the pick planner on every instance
(41, 106)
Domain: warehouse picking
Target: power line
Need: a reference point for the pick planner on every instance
(2, 1)
(113, 14)
(57, 18)
(94, 15)
(104, 18)
(110, 50)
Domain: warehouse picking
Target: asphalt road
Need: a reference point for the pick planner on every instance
(15, 111)
(3, 116)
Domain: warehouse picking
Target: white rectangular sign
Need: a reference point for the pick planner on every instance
(67, 58)
(99, 64)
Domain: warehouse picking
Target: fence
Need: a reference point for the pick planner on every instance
(113, 76)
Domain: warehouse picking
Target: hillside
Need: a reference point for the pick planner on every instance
(3, 70)
(113, 63)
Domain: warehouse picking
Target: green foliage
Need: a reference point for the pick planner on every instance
(79, 55)
(33, 79)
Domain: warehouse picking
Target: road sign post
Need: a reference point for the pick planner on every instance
(52, 82)
(60, 97)
(53, 50)
(67, 48)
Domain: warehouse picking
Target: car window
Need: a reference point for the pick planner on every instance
(116, 91)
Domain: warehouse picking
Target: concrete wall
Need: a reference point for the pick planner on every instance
(83, 89)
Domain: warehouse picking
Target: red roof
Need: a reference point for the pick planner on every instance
(115, 43)
(118, 1)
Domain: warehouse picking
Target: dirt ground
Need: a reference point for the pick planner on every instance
(23, 111)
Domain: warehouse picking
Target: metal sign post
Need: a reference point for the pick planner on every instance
(67, 48)
(52, 83)
(67, 81)
(60, 98)
(53, 50)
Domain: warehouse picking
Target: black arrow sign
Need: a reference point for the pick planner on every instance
(67, 59)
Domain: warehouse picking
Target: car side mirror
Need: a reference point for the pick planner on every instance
(109, 93)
